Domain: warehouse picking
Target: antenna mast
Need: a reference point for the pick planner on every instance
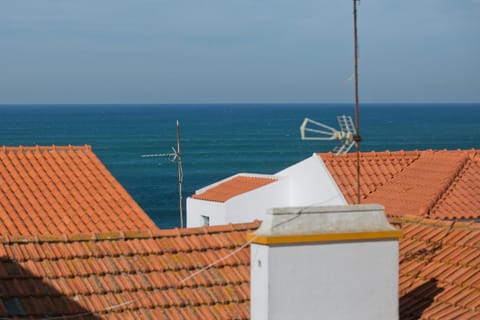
(176, 155)
(349, 134)
(357, 137)
(180, 176)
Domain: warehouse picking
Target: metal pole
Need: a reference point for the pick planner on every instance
(180, 175)
(357, 124)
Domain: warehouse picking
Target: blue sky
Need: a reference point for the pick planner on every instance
(189, 51)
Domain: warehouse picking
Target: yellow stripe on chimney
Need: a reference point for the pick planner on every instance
(325, 237)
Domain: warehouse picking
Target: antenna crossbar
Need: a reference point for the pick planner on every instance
(176, 155)
(156, 155)
(307, 120)
(171, 156)
(344, 147)
(323, 132)
(346, 124)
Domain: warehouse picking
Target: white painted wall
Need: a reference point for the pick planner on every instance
(245, 207)
(343, 280)
(260, 282)
(336, 262)
(310, 183)
(303, 184)
(214, 210)
(253, 205)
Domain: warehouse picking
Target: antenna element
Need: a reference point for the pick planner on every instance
(176, 155)
(313, 130)
(349, 133)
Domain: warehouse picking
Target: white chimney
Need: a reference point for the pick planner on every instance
(338, 262)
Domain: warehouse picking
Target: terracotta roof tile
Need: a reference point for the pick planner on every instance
(233, 187)
(462, 195)
(59, 190)
(437, 269)
(117, 276)
(377, 168)
(440, 184)
(111, 274)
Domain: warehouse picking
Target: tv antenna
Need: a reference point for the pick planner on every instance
(348, 133)
(314, 130)
(175, 155)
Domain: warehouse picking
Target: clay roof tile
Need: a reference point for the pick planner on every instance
(95, 273)
(233, 187)
(55, 190)
(440, 184)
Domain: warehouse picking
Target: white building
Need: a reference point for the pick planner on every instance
(246, 197)
(336, 262)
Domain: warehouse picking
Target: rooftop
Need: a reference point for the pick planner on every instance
(437, 184)
(439, 269)
(232, 187)
(62, 190)
(61, 253)
(164, 274)
(129, 275)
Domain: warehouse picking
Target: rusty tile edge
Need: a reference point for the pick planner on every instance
(37, 148)
(132, 234)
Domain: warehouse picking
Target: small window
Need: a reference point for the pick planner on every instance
(205, 220)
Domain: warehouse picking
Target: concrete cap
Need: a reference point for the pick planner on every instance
(324, 220)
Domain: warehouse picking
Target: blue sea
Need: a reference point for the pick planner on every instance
(219, 140)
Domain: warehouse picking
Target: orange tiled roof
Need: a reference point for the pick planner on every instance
(128, 275)
(233, 187)
(439, 269)
(376, 169)
(441, 184)
(463, 194)
(139, 275)
(55, 190)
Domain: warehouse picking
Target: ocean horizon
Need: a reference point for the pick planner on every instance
(222, 139)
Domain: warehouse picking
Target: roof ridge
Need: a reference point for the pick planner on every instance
(470, 162)
(417, 154)
(78, 237)
(474, 153)
(131, 234)
(421, 181)
(255, 175)
(446, 184)
(38, 148)
(447, 224)
(373, 153)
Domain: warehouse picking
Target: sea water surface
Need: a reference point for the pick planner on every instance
(219, 140)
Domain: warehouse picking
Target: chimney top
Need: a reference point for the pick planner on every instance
(326, 223)
(337, 262)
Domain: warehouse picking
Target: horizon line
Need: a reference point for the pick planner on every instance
(225, 103)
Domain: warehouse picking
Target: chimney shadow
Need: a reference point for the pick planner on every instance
(415, 302)
(25, 295)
